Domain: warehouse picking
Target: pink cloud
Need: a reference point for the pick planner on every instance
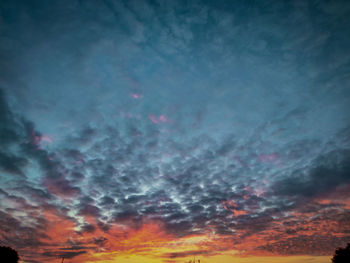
(268, 157)
(46, 138)
(153, 119)
(156, 120)
(136, 96)
(162, 118)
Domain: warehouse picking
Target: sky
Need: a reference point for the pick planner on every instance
(161, 131)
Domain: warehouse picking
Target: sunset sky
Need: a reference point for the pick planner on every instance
(159, 131)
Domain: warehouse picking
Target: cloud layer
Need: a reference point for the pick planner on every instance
(174, 129)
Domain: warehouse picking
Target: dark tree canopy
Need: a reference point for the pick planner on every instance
(342, 255)
(8, 255)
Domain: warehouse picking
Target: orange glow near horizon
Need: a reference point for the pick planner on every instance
(227, 257)
(151, 243)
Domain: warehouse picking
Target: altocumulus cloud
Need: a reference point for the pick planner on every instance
(223, 118)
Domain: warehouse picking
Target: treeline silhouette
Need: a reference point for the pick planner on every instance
(342, 255)
(9, 255)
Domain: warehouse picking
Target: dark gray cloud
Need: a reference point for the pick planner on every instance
(326, 173)
(59, 254)
(315, 244)
(12, 164)
(183, 254)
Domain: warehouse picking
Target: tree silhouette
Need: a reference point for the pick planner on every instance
(8, 255)
(342, 255)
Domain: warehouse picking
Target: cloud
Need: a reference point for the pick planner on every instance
(183, 254)
(67, 255)
(12, 164)
(315, 244)
(9, 126)
(327, 172)
(208, 118)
